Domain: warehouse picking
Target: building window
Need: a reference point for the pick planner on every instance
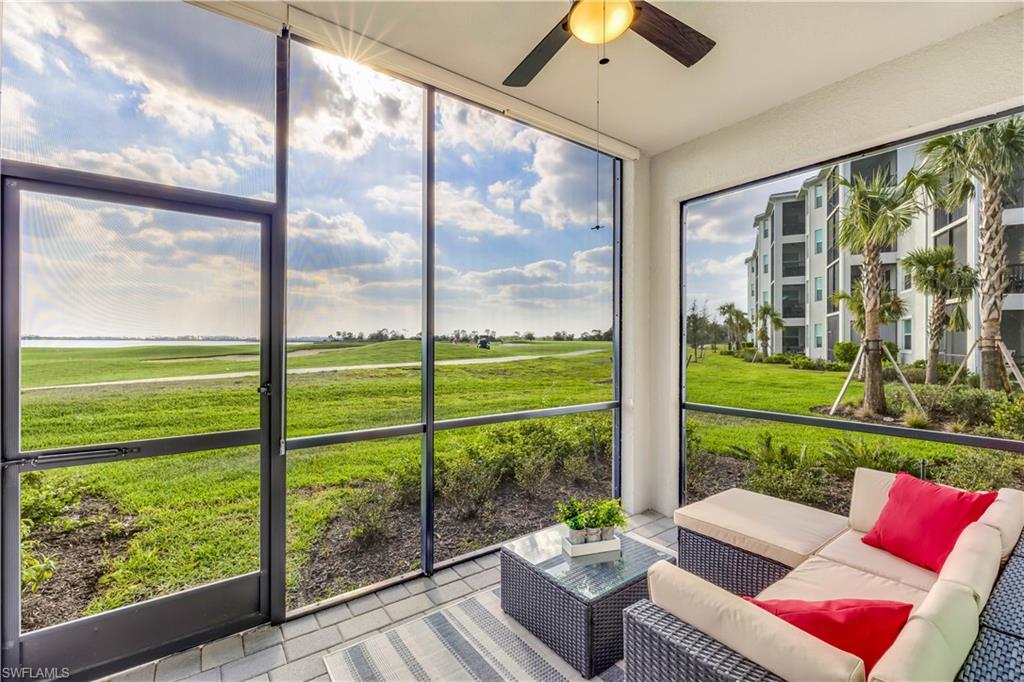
(793, 260)
(907, 283)
(764, 296)
(793, 218)
(819, 195)
(792, 300)
(793, 340)
(764, 229)
(868, 167)
(819, 288)
(764, 260)
(908, 333)
(819, 240)
(818, 340)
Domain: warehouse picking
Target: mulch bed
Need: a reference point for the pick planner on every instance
(338, 563)
(82, 554)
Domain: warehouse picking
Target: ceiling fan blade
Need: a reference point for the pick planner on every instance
(684, 44)
(540, 55)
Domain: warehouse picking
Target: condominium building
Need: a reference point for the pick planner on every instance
(797, 266)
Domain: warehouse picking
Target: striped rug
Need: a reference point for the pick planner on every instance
(472, 640)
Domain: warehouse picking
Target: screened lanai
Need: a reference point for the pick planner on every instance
(316, 319)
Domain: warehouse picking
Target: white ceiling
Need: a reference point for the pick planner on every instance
(768, 53)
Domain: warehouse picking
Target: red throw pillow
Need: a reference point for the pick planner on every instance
(865, 628)
(922, 520)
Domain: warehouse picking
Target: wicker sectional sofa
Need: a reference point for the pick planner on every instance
(695, 627)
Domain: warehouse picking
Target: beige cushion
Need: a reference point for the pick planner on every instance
(848, 549)
(818, 579)
(784, 531)
(870, 493)
(974, 561)
(1006, 515)
(935, 641)
(765, 639)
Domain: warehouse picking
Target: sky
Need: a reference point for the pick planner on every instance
(174, 94)
(720, 236)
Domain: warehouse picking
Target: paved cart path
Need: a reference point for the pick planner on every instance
(312, 370)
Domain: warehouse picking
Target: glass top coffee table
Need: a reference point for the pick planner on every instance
(574, 604)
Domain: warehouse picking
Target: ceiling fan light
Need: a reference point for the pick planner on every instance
(600, 21)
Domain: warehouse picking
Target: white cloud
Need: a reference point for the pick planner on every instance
(25, 23)
(714, 229)
(465, 125)
(459, 207)
(150, 163)
(351, 107)
(17, 120)
(564, 193)
(732, 266)
(596, 261)
(532, 273)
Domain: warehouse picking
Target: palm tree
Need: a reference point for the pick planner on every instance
(890, 307)
(726, 310)
(875, 213)
(767, 315)
(992, 155)
(737, 326)
(935, 273)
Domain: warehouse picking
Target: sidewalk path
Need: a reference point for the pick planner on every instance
(313, 370)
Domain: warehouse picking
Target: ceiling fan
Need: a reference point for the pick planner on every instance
(602, 21)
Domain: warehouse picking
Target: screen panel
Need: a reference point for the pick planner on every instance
(497, 482)
(135, 322)
(102, 536)
(354, 246)
(353, 517)
(524, 266)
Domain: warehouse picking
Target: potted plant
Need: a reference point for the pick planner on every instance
(592, 522)
(611, 516)
(571, 513)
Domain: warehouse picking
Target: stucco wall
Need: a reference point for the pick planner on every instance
(973, 74)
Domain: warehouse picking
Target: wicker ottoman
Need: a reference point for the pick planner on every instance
(574, 605)
(743, 541)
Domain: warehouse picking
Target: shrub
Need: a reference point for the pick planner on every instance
(768, 454)
(837, 367)
(974, 406)
(804, 362)
(470, 481)
(699, 462)
(916, 419)
(845, 351)
(978, 470)
(403, 481)
(42, 502)
(365, 510)
(797, 485)
(778, 359)
(844, 454)
(533, 466)
(1008, 418)
(893, 350)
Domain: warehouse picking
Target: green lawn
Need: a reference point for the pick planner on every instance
(60, 366)
(196, 516)
(726, 380)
